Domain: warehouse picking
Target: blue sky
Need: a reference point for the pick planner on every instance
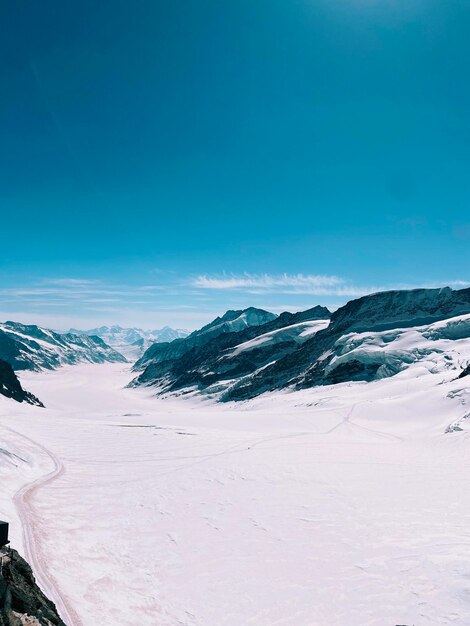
(164, 161)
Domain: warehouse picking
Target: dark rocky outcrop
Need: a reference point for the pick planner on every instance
(10, 386)
(465, 372)
(21, 600)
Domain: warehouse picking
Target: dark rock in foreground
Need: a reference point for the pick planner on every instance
(21, 600)
(11, 387)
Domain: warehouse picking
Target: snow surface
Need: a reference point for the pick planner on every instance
(295, 332)
(346, 505)
(438, 346)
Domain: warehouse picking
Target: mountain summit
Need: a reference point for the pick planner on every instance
(228, 348)
(231, 321)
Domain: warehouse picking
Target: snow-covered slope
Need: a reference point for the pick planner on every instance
(132, 342)
(35, 348)
(444, 345)
(234, 321)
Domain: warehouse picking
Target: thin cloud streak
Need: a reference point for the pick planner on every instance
(265, 281)
(303, 284)
(177, 299)
(293, 284)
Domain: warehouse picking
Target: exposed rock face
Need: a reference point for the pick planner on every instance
(33, 348)
(400, 309)
(10, 386)
(21, 600)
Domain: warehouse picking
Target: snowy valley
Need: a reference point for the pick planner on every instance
(332, 492)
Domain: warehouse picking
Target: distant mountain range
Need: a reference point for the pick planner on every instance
(132, 342)
(29, 347)
(246, 353)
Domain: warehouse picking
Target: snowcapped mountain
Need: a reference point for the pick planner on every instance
(35, 348)
(375, 355)
(132, 342)
(231, 321)
(234, 321)
(312, 363)
(232, 354)
(373, 337)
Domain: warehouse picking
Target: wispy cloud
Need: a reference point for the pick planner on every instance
(308, 284)
(179, 300)
(302, 284)
(267, 281)
(70, 282)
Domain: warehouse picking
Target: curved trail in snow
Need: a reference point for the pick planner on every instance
(33, 553)
(348, 421)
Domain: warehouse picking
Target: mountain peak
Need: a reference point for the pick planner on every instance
(238, 319)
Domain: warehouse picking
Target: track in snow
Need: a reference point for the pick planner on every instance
(33, 554)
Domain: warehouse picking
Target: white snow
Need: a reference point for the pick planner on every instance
(346, 505)
(295, 332)
(438, 346)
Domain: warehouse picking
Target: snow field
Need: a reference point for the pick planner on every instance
(337, 506)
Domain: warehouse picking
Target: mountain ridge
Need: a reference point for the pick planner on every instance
(203, 365)
(241, 365)
(305, 366)
(33, 347)
(232, 320)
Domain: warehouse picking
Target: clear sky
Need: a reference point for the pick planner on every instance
(161, 162)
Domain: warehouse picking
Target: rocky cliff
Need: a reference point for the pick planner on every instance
(21, 601)
(10, 386)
